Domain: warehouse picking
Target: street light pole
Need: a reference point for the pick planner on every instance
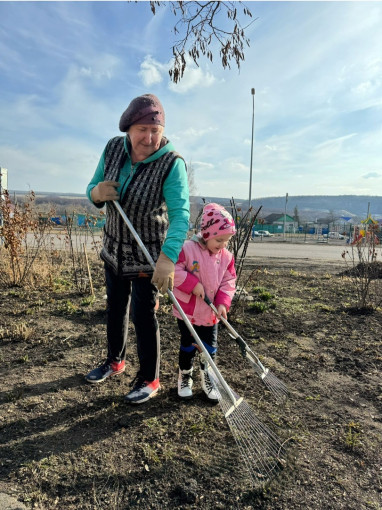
(250, 171)
(286, 201)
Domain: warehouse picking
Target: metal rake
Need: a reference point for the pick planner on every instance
(275, 386)
(260, 449)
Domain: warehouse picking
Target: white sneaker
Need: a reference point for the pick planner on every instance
(207, 385)
(185, 383)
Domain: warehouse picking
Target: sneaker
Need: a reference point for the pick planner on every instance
(105, 370)
(142, 390)
(185, 383)
(207, 385)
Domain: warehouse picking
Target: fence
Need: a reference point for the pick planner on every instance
(79, 220)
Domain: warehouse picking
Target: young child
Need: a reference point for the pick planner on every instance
(204, 268)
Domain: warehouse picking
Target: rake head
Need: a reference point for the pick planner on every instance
(274, 385)
(260, 449)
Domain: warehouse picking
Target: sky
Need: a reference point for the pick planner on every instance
(68, 70)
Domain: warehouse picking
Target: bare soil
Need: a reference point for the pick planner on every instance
(66, 444)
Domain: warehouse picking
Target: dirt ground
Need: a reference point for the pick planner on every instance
(66, 444)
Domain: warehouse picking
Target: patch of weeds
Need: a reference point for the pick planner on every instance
(151, 453)
(280, 346)
(19, 331)
(152, 423)
(60, 284)
(88, 301)
(24, 359)
(310, 398)
(257, 307)
(15, 395)
(324, 308)
(276, 420)
(199, 428)
(15, 293)
(68, 308)
(34, 307)
(264, 300)
(353, 435)
(296, 273)
(262, 294)
(306, 356)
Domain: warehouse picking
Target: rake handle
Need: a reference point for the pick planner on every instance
(243, 346)
(176, 304)
(245, 350)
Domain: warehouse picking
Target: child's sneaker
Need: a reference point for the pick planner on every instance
(142, 390)
(207, 385)
(105, 370)
(185, 383)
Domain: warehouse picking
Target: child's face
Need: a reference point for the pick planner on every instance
(216, 244)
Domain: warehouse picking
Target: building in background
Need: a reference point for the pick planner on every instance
(3, 186)
(3, 180)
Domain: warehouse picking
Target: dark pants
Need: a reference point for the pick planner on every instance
(207, 334)
(142, 295)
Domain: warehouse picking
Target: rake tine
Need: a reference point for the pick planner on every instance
(275, 386)
(258, 446)
(260, 449)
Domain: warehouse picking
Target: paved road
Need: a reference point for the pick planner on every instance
(311, 256)
(312, 251)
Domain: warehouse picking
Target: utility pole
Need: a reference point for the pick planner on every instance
(250, 171)
(286, 201)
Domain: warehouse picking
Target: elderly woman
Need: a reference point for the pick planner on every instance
(149, 179)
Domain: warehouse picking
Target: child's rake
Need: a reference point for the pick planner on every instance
(260, 449)
(277, 387)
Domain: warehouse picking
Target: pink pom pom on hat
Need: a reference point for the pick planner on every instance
(216, 221)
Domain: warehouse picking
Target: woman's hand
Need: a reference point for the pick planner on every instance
(105, 191)
(163, 276)
(199, 290)
(222, 312)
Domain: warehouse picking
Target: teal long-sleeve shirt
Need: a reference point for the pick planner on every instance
(175, 192)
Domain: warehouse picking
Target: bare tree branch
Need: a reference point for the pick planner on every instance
(200, 25)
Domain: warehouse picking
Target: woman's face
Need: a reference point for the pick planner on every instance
(145, 139)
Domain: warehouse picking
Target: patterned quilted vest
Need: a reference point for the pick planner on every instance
(144, 205)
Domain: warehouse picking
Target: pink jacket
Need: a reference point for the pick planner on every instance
(215, 272)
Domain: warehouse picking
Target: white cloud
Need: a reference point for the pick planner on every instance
(330, 148)
(196, 133)
(372, 175)
(68, 165)
(151, 71)
(193, 77)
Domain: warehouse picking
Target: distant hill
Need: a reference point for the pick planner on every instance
(310, 207)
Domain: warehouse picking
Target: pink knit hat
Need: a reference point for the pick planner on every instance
(216, 221)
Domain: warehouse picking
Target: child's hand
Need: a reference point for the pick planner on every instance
(222, 311)
(198, 290)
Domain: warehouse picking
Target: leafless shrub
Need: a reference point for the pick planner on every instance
(23, 237)
(364, 270)
(77, 240)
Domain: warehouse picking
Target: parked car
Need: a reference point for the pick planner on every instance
(263, 233)
(334, 235)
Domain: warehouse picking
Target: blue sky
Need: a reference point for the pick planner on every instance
(69, 69)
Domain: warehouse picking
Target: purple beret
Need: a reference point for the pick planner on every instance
(146, 109)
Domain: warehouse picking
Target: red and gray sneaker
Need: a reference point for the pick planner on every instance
(105, 370)
(142, 390)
